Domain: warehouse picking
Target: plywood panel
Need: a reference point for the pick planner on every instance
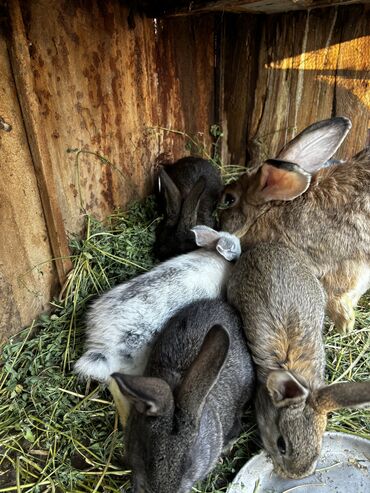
(27, 276)
(104, 79)
(309, 69)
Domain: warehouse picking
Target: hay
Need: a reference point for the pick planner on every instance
(60, 435)
(56, 434)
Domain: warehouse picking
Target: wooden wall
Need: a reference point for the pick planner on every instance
(90, 75)
(305, 66)
(26, 284)
(86, 74)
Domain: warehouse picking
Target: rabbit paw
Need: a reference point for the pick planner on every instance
(341, 312)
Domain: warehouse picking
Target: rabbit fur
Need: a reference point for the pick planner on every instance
(188, 193)
(320, 207)
(122, 323)
(282, 305)
(188, 405)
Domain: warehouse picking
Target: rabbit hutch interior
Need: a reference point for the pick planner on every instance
(94, 97)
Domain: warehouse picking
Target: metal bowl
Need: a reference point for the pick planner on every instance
(344, 467)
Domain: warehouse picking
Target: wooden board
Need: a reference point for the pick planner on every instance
(187, 7)
(95, 77)
(311, 66)
(240, 41)
(21, 65)
(104, 80)
(27, 276)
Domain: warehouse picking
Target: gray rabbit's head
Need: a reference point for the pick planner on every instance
(173, 440)
(292, 418)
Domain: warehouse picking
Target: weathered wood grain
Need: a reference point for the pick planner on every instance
(103, 80)
(240, 42)
(187, 7)
(38, 144)
(311, 66)
(27, 276)
(90, 76)
(185, 65)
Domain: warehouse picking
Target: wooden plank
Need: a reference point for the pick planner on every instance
(240, 63)
(351, 80)
(311, 66)
(185, 66)
(39, 146)
(104, 80)
(27, 275)
(187, 7)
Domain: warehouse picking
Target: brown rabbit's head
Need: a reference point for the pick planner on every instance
(292, 418)
(282, 179)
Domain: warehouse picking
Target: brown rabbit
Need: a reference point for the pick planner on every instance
(282, 306)
(321, 208)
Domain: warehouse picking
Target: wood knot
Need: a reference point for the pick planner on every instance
(5, 126)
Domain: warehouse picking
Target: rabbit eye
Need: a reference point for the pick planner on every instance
(281, 445)
(228, 199)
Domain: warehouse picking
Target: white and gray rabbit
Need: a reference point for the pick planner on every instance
(187, 407)
(123, 322)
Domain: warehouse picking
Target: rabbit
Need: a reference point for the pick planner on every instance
(122, 323)
(323, 209)
(187, 408)
(188, 193)
(282, 305)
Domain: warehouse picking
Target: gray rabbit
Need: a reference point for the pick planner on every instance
(188, 193)
(122, 323)
(282, 305)
(187, 408)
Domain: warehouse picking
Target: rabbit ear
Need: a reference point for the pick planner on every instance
(172, 195)
(285, 389)
(339, 395)
(205, 236)
(229, 247)
(151, 396)
(316, 144)
(280, 180)
(203, 372)
(189, 212)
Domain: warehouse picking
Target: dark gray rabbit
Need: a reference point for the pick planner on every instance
(187, 406)
(188, 194)
(282, 305)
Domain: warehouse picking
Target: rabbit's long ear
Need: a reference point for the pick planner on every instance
(151, 396)
(172, 196)
(189, 212)
(205, 236)
(316, 144)
(339, 395)
(285, 389)
(279, 180)
(203, 372)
